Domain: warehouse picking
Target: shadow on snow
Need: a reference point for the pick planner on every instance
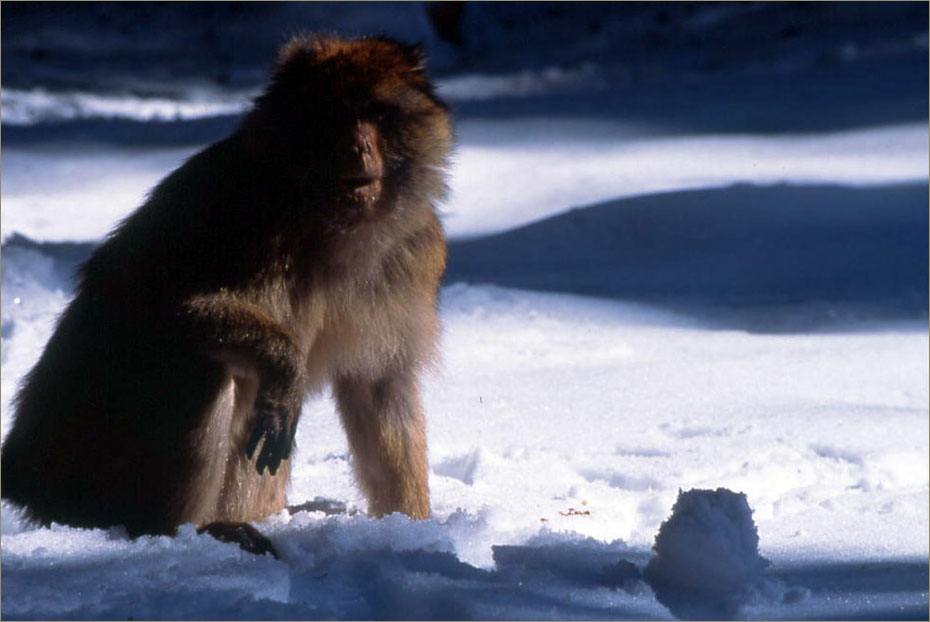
(764, 258)
(578, 581)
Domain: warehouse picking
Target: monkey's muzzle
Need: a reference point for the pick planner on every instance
(362, 192)
(363, 167)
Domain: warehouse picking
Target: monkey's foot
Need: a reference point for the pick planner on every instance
(246, 536)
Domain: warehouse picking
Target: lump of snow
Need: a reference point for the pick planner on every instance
(707, 563)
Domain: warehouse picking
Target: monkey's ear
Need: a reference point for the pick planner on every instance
(416, 56)
(299, 50)
(410, 57)
(414, 61)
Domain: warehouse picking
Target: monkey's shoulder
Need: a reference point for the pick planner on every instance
(419, 258)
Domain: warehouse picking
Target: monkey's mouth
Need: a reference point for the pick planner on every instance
(361, 191)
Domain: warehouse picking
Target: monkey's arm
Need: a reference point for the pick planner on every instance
(250, 342)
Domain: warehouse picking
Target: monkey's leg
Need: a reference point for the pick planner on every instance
(385, 425)
(226, 491)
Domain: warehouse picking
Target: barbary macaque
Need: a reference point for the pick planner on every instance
(304, 249)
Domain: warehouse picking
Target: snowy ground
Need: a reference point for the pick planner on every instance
(636, 304)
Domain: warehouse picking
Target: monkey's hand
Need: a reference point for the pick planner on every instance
(244, 336)
(276, 423)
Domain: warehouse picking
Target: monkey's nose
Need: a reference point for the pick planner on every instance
(365, 162)
(364, 137)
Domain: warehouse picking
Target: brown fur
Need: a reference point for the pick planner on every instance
(302, 250)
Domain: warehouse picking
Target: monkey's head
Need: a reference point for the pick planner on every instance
(353, 126)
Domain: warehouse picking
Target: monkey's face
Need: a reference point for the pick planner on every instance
(360, 173)
(354, 127)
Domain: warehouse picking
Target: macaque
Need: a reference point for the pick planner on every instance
(304, 249)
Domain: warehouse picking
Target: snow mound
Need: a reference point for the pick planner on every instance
(707, 563)
(30, 106)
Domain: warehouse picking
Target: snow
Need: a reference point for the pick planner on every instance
(29, 106)
(674, 347)
(589, 404)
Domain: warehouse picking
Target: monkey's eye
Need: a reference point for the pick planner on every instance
(384, 116)
(380, 113)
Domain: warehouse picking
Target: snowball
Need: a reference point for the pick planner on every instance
(707, 564)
